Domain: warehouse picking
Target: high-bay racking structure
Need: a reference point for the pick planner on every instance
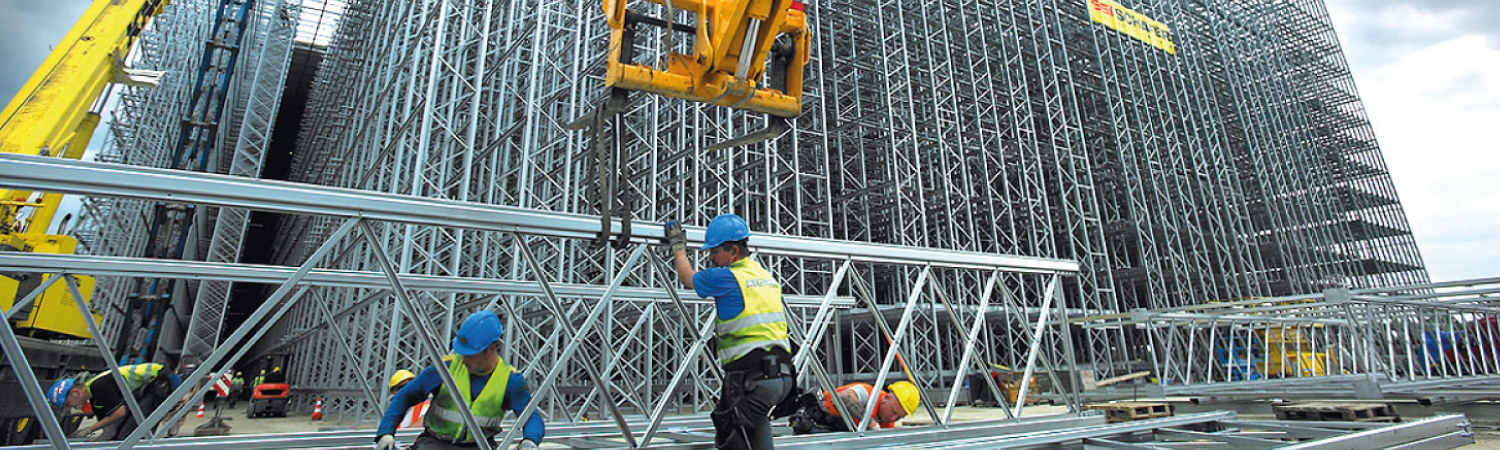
(1179, 152)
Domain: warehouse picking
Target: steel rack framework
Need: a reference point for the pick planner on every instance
(1239, 165)
(1433, 342)
(539, 318)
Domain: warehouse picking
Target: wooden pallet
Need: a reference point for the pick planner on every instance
(1337, 412)
(1130, 411)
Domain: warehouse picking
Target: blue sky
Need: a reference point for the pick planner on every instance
(1428, 70)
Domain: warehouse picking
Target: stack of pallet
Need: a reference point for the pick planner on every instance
(1130, 411)
(1336, 412)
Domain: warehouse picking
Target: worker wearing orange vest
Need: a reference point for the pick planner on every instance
(413, 418)
(751, 331)
(819, 414)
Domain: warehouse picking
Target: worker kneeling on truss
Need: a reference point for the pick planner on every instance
(150, 384)
(817, 414)
(493, 387)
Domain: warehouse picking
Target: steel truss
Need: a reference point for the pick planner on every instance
(1089, 432)
(632, 319)
(1432, 342)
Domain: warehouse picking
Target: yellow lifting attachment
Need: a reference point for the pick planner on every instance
(732, 41)
(747, 54)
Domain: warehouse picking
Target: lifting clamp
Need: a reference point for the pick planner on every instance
(747, 54)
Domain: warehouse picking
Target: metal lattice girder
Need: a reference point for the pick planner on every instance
(95, 178)
(363, 206)
(1441, 333)
(256, 114)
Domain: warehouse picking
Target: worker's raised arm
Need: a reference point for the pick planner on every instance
(677, 240)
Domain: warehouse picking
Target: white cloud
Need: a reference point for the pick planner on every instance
(1433, 96)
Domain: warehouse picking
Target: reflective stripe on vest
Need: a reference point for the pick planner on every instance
(414, 415)
(444, 419)
(763, 322)
(136, 375)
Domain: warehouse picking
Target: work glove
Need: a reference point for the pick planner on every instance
(385, 442)
(81, 433)
(526, 444)
(675, 237)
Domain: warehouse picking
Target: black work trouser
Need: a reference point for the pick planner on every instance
(741, 417)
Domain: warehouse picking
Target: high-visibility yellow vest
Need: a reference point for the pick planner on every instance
(136, 375)
(443, 417)
(763, 322)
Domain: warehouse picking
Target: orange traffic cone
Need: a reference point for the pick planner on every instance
(318, 409)
(200, 411)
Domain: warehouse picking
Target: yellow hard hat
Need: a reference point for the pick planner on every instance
(278, 369)
(907, 394)
(399, 376)
(262, 371)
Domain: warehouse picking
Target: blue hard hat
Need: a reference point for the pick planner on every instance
(725, 228)
(58, 393)
(478, 331)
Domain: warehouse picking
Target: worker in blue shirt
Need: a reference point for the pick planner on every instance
(750, 331)
(492, 387)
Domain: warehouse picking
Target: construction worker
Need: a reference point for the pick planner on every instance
(491, 386)
(236, 388)
(818, 413)
(149, 383)
(276, 376)
(413, 417)
(751, 331)
(259, 379)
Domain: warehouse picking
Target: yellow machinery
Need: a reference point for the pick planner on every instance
(732, 41)
(747, 54)
(1289, 351)
(52, 116)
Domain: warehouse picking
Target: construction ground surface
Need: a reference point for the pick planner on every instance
(1486, 428)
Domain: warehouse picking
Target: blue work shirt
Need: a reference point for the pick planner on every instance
(719, 283)
(517, 395)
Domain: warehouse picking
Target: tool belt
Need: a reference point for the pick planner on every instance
(762, 364)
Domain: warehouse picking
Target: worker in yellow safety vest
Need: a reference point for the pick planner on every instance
(751, 330)
(413, 418)
(490, 386)
(150, 384)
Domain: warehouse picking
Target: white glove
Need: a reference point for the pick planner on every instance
(385, 442)
(525, 444)
(81, 433)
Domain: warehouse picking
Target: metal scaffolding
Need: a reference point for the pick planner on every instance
(1225, 155)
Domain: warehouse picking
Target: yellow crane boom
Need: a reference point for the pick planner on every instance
(52, 116)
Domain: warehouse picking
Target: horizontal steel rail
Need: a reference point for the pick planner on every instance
(249, 273)
(119, 180)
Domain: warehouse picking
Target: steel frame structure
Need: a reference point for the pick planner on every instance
(1089, 432)
(1435, 342)
(1241, 165)
(539, 317)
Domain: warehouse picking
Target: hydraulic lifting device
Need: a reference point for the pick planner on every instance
(747, 54)
(53, 115)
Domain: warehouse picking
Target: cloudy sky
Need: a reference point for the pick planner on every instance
(1429, 72)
